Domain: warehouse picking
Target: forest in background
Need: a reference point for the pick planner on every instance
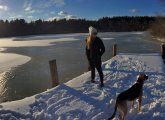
(158, 27)
(20, 27)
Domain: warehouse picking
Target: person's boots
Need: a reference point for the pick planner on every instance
(93, 81)
(102, 83)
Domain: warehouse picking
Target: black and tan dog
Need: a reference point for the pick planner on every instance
(133, 93)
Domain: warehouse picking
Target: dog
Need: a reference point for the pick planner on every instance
(131, 94)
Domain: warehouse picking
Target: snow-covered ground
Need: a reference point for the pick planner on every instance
(79, 99)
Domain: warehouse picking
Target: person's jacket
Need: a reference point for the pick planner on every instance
(96, 50)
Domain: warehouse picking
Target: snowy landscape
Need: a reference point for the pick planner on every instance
(79, 99)
(49, 50)
(24, 68)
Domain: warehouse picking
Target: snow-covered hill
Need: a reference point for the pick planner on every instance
(79, 99)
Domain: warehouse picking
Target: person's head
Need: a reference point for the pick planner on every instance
(92, 32)
(92, 35)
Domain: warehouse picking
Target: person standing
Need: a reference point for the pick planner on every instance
(94, 51)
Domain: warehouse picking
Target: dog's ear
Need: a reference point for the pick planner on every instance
(140, 78)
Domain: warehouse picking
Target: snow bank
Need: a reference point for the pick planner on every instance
(8, 60)
(159, 39)
(79, 99)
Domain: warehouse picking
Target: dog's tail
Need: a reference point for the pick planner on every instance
(114, 113)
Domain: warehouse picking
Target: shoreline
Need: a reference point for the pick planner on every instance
(162, 40)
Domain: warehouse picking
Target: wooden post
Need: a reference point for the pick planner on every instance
(54, 73)
(114, 50)
(163, 51)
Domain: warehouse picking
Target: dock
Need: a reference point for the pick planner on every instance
(79, 99)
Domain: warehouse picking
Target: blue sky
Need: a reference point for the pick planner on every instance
(89, 9)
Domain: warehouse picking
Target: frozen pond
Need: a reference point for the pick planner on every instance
(24, 68)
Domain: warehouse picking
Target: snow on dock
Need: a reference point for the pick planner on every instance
(79, 99)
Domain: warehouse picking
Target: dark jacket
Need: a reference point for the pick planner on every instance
(96, 50)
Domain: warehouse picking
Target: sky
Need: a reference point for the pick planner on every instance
(73, 9)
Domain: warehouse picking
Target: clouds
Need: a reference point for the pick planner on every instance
(66, 15)
(58, 2)
(13, 16)
(71, 17)
(28, 7)
(54, 18)
(29, 17)
(31, 10)
(3, 8)
(51, 3)
(33, 6)
(62, 15)
(134, 10)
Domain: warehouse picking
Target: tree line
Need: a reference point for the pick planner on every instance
(20, 27)
(158, 27)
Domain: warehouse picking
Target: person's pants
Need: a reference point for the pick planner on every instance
(97, 65)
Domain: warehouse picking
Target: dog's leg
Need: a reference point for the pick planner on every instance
(125, 110)
(139, 103)
(120, 115)
(133, 104)
(122, 106)
(120, 110)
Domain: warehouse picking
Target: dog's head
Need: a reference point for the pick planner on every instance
(141, 78)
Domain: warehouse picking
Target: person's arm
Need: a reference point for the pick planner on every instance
(102, 47)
